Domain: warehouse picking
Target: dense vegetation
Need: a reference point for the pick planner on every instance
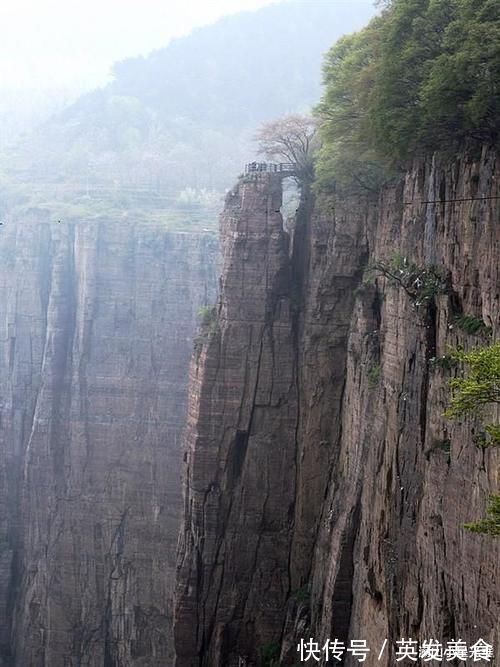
(422, 76)
(479, 386)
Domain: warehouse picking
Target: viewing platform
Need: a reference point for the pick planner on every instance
(283, 168)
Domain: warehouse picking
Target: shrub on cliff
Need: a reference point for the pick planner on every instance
(490, 525)
(474, 326)
(421, 283)
(207, 315)
(478, 386)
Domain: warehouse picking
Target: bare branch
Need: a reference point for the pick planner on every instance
(290, 138)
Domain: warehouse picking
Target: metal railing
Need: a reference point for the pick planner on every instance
(270, 167)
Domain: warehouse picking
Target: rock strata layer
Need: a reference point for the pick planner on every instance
(325, 493)
(97, 323)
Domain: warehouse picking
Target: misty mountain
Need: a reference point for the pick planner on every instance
(182, 118)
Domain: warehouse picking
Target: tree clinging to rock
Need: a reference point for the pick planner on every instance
(292, 139)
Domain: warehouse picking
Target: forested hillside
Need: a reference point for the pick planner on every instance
(423, 76)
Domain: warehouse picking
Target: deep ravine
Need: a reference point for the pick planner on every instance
(97, 320)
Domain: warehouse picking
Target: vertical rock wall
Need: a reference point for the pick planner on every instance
(319, 501)
(392, 558)
(97, 321)
(241, 443)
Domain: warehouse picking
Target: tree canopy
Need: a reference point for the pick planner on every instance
(290, 139)
(422, 76)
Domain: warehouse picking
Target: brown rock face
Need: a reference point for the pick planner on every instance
(319, 498)
(394, 514)
(241, 443)
(97, 325)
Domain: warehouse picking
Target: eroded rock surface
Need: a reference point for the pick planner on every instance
(97, 323)
(320, 498)
(241, 442)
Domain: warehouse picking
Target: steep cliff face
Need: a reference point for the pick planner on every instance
(241, 441)
(97, 325)
(319, 501)
(396, 505)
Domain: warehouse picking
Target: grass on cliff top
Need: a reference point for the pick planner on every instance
(171, 219)
(420, 77)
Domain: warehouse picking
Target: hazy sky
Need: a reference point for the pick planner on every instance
(49, 43)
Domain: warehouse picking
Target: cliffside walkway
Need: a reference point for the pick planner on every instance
(283, 168)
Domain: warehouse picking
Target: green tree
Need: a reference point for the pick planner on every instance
(422, 76)
(347, 156)
(461, 93)
(479, 386)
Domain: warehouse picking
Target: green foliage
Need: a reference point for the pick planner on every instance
(270, 654)
(480, 385)
(208, 325)
(493, 431)
(490, 437)
(476, 389)
(347, 157)
(473, 326)
(422, 76)
(208, 316)
(491, 524)
(374, 375)
(442, 445)
(421, 283)
(461, 92)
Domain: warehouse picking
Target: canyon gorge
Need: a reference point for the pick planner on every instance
(97, 325)
(325, 493)
(216, 445)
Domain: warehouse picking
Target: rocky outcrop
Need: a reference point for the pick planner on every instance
(241, 443)
(97, 325)
(325, 492)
